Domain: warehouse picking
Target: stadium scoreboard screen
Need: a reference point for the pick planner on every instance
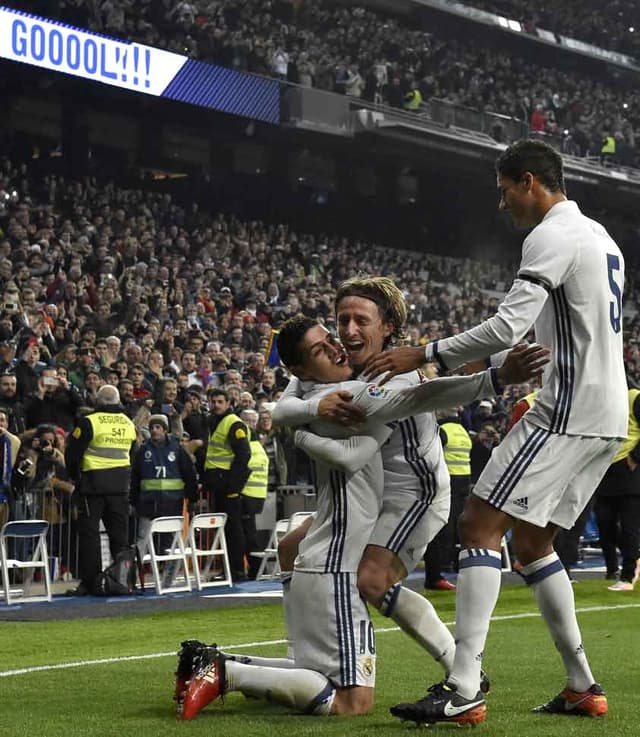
(57, 47)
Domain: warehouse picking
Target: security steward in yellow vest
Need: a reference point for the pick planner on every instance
(413, 99)
(442, 553)
(226, 471)
(254, 494)
(162, 477)
(608, 149)
(98, 459)
(618, 505)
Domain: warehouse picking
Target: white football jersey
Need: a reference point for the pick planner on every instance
(347, 500)
(348, 504)
(413, 451)
(569, 287)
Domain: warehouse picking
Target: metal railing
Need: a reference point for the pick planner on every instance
(501, 128)
(446, 115)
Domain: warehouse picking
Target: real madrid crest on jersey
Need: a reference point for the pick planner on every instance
(375, 391)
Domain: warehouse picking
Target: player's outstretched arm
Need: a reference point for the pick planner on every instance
(348, 455)
(385, 404)
(514, 318)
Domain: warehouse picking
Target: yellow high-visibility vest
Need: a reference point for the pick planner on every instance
(609, 145)
(219, 451)
(257, 483)
(457, 451)
(113, 436)
(413, 100)
(633, 433)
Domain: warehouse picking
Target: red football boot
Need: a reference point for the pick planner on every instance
(192, 656)
(205, 686)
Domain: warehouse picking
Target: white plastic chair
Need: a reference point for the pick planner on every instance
(269, 565)
(175, 551)
(297, 518)
(213, 524)
(24, 530)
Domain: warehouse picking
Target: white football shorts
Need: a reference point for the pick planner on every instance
(539, 477)
(409, 520)
(331, 628)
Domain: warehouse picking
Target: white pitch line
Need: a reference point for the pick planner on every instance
(244, 595)
(263, 643)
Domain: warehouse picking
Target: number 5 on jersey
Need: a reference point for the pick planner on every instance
(615, 307)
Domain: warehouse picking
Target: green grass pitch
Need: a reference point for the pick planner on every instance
(132, 697)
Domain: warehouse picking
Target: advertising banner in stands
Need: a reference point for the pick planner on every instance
(29, 39)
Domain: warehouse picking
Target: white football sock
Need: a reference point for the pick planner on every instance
(258, 660)
(287, 614)
(478, 586)
(554, 594)
(416, 616)
(304, 690)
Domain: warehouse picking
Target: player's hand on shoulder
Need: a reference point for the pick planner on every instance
(523, 363)
(397, 361)
(339, 408)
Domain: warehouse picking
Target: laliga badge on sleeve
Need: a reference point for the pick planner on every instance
(376, 392)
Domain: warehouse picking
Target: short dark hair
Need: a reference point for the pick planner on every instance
(290, 336)
(45, 429)
(535, 157)
(218, 391)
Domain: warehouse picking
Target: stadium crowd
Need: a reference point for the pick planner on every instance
(612, 26)
(360, 52)
(105, 285)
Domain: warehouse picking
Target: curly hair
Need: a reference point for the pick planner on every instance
(383, 292)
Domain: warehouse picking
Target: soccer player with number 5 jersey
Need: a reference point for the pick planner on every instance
(569, 287)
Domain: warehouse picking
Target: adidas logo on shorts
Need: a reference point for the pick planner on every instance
(523, 503)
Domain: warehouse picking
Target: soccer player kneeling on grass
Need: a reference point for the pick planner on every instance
(333, 671)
